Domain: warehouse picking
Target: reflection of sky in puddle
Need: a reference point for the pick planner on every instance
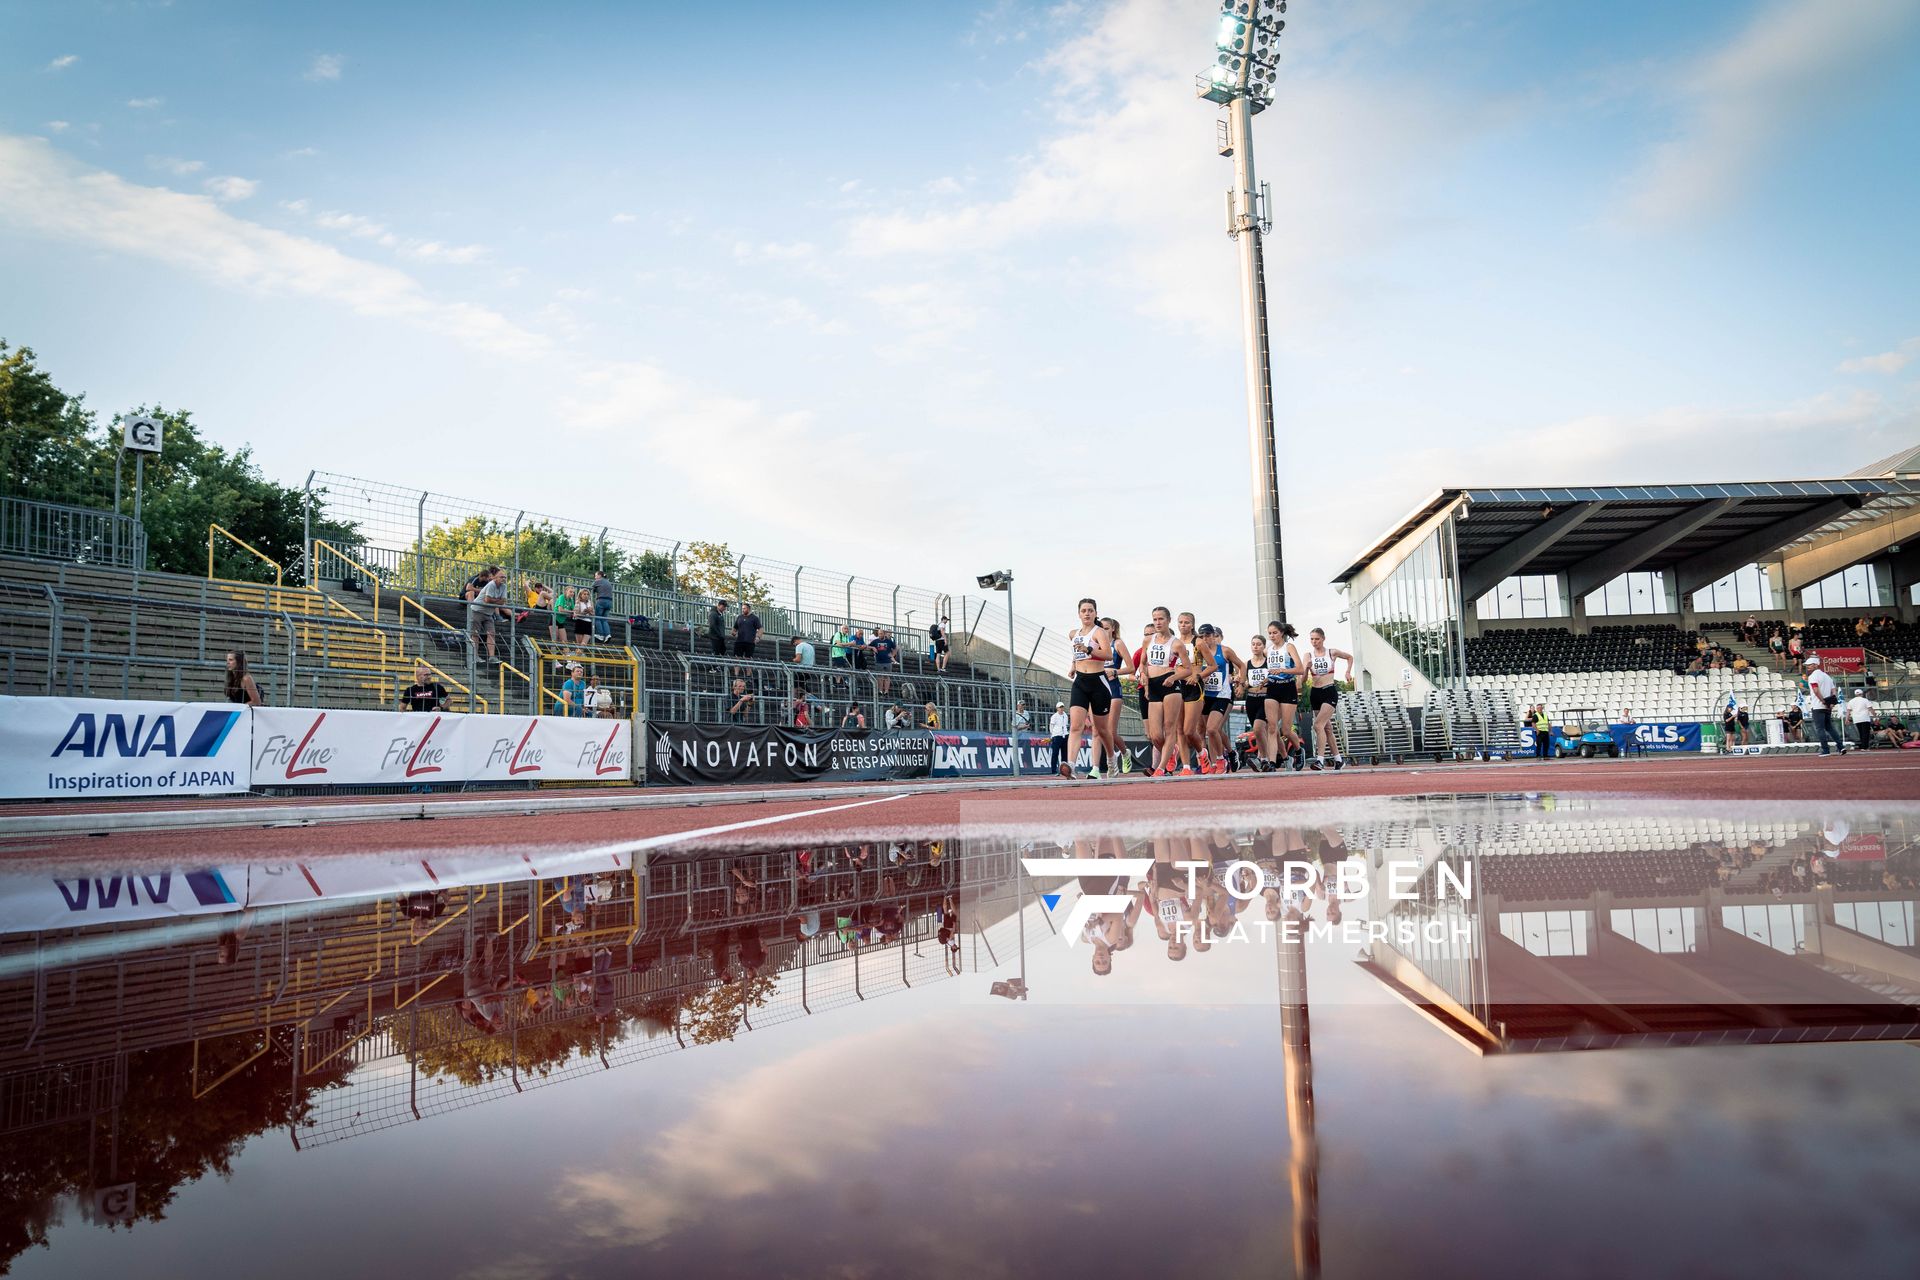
(1136, 1123)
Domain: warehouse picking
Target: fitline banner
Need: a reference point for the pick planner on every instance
(310, 747)
(68, 747)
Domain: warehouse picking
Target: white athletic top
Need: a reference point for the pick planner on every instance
(1083, 644)
(1286, 666)
(1160, 652)
(1320, 664)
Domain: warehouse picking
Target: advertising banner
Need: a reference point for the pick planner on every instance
(967, 754)
(69, 747)
(1842, 662)
(548, 749)
(703, 754)
(1657, 737)
(309, 747)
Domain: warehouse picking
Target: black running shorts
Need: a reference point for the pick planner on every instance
(1160, 687)
(1090, 691)
(1211, 704)
(1324, 696)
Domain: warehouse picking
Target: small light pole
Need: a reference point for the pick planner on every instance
(1002, 580)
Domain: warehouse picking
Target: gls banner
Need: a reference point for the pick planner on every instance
(689, 754)
(1657, 737)
(93, 746)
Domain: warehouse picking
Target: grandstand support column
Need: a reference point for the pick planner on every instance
(896, 609)
(603, 550)
(1246, 228)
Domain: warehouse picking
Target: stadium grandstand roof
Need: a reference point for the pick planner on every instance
(1703, 531)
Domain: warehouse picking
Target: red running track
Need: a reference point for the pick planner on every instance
(1034, 806)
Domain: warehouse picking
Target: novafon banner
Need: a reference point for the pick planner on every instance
(706, 754)
(1657, 737)
(311, 747)
(53, 747)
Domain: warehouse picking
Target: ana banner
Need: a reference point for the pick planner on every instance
(66, 747)
(1842, 662)
(703, 754)
(1657, 737)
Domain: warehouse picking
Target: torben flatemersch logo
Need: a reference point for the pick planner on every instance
(1294, 884)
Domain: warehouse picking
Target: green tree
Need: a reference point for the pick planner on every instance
(711, 569)
(51, 450)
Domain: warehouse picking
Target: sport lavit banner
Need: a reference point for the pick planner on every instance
(704, 754)
(295, 747)
(54, 747)
(1656, 737)
(972, 754)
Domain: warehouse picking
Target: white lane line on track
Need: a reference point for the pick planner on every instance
(678, 837)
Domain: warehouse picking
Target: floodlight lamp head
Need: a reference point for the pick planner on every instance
(998, 580)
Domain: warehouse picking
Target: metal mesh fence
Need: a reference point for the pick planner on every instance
(393, 523)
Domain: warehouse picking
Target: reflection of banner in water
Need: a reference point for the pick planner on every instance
(32, 902)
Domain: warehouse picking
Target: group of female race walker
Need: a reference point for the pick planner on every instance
(1189, 679)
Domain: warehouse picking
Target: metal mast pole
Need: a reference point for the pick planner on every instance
(1269, 578)
(1241, 80)
(1013, 700)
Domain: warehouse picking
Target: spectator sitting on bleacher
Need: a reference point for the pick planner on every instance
(742, 705)
(572, 697)
(1697, 667)
(426, 693)
(1740, 663)
(1626, 716)
(803, 651)
(1861, 628)
(1793, 723)
(1892, 731)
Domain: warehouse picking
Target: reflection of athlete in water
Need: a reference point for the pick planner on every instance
(1108, 931)
(1166, 895)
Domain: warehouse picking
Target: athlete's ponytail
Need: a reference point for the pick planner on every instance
(1284, 628)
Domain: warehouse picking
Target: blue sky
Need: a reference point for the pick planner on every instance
(918, 290)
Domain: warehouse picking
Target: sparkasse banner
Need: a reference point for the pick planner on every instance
(67, 747)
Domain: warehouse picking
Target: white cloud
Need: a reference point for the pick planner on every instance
(144, 104)
(407, 247)
(300, 153)
(620, 219)
(231, 188)
(45, 193)
(325, 66)
(1886, 362)
(62, 62)
(800, 250)
(1787, 66)
(177, 167)
(58, 126)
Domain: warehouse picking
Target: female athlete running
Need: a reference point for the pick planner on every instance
(1090, 701)
(1263, 713)
(1192, 700)
(1326, 695)
(1164, 666)
(1119, 663)
(1283, 661)
(1222, 670)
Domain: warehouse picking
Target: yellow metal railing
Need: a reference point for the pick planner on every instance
(504, 668)
(426, 615)
(325, 551)
(279, 573)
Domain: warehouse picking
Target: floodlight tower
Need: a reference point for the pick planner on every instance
(1241, 79)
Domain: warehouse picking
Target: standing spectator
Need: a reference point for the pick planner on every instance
(855, 720)
(426, 693)
(1777, 646)
(1826, 696)
(884, 647)
(938, 644)
(897, 718)
(746, 631)
(572, 698)
(860, 648)
(1796, 646)
(1542, 732)
(602, 607)
(802, 708)
(1860, 713)
(486, 608)
(240, 685)
(803, 651)
(717, 629)
(1022, 722)
(742, 705)
(563, 615)
(1057, 725)
(1750, 629)
(837, 647)
(930, 717)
